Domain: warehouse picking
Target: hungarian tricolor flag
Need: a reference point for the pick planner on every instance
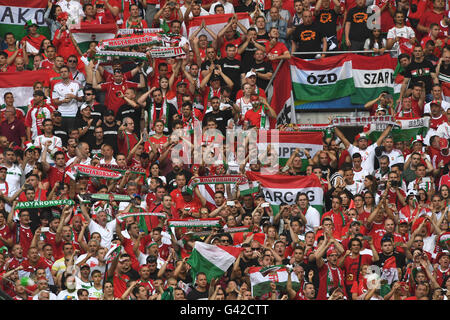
(288, 141)
(406, 130)
(216, 22)
(84, 33)
(20, 84)
(389, 271)
(213, 260)
(279, 189)
(372, 75)
(14, 15)
(282, 99)
(446, 91)
(322, 79)
(261, 278)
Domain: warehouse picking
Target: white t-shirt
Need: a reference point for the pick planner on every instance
(312, 219)
(56, 143)
(360, 175)
(106, 233)
(13, 178)
(95, 294)
(66, 295)
(405, 32)
(60, 90)
(395, 156)
(443, 130)
(355, 188)
(367, 156)
(244, 106)
(444, 104)
(228, 7)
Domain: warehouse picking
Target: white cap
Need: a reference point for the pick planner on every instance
(249, 74)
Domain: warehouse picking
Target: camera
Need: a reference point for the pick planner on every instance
(100, 6)
(394, 183)
(172, 4)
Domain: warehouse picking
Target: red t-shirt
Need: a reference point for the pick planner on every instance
(277, 51)
(351, 267)
(5, 233)
(236, 42)
(56, 175)
(25, 236)
(112, 101)
(127, 142)
(430, 17)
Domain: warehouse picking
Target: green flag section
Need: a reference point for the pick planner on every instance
(278, 188)
(14, 15)
(85, 33)
(213, 260)
(372, 75)
(322, 79)
(20, 84)
(289, 141)
(407, 129)
(261, 278)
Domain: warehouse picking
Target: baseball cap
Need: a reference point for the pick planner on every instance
(181, 83)
(215, 78)
(84, 265)
(109, 112)
(403, 221)
(250, 74)
(3, 167)
(436, 102)
(380, 108)
(31, 22)
(361, 136)
(84, 106)
(355, 222)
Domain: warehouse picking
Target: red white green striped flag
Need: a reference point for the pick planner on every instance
(446, 91)
(372, 75)
(84, 33)
(322, 79)
(279, 189)
(288, 141)
(213, 260)
(406, 130)
(215, 22)
(14, 15)
(261, 278)
(20, 84)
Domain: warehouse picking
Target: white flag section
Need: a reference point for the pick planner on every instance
(216, 22)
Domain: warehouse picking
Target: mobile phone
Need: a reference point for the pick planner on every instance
(45, 229)
(367, 238)
(264, 205)
(230, 203)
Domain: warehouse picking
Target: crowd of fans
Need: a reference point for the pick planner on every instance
(386, 202)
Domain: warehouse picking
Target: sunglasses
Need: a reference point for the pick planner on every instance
(89, 94)
(71, 60)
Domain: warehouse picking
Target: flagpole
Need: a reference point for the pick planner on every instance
(273, 77)
(339, 52)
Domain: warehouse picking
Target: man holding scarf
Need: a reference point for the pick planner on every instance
(161, 110)
(258, 115)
